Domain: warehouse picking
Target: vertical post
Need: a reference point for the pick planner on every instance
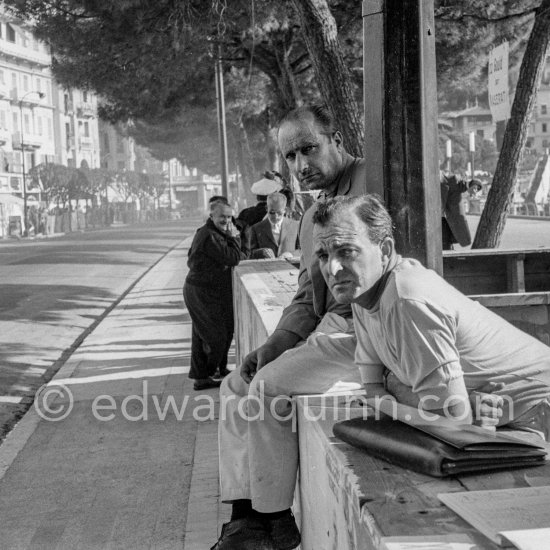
(401, 122)
(221, 124)
(472, 152)
(449, 154)
(25, 217)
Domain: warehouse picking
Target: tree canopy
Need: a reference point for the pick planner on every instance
(152, 61)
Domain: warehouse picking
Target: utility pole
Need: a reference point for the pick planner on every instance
(222, 133)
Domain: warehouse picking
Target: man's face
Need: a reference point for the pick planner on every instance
(221, 217)
(351, 264)
(313, 157)
(275, 212)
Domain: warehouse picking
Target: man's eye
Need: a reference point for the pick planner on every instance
(322, 256)
(290, 156)
(307, 149)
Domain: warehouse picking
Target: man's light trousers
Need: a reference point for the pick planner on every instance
(258, 441)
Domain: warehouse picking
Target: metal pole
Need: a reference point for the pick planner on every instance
(449, 154)
(472, 152)
(221, 124)
(169, 187)
(24, 229)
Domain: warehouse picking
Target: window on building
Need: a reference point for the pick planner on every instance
(38, 85)
(50, 128)
(544, 128)
(66, 102)
(85, 97)
(13, 80)
(1, 33)
(26, 82)
(545, 143)
(15, 120)
(27, 123)
(2, 76)
(39, 127)
(3, 119)
(543, 110)
(87, 129)
(10, 33)
(120, 145)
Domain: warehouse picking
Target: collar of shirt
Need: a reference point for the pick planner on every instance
(276, 227)
(342, 183)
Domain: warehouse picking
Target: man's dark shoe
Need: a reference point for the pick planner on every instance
(206, 383)
(244, 534)
(284, 532)
(224, 372)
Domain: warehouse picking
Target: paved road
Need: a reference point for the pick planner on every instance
(520, 232)
(52, 291)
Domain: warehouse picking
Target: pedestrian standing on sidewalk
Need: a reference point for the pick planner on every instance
(207, 292)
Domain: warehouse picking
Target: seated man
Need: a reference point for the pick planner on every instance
(436, 343)
(275, 233)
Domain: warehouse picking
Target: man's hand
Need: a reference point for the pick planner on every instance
(486, 406)
(233, 230)
(277, 343)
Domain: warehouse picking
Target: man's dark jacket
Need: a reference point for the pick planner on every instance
(212, 255)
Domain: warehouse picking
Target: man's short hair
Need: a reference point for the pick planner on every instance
(218, 198)
(321, 114)
(277, 198)
(369, 209)
(216, 205)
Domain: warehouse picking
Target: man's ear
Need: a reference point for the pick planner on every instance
(338, 138)
(387, 246)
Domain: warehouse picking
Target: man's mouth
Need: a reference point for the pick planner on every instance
(341, 283)
(307, 179)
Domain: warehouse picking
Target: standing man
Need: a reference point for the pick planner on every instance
(277, 233)
(259, 459)
(208, 295)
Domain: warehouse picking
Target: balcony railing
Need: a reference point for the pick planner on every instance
(21, 52)
(29, 141)
(86, 142)
(85, 110)
(4, 136)
(4, 91)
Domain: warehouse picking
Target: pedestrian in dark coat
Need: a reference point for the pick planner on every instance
(207, 292)
(454, 224)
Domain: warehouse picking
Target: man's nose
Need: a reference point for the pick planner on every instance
(302, 163)
(334, 266)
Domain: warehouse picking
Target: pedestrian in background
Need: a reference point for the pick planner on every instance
(208, 295)
(276, 235)
(454, 225)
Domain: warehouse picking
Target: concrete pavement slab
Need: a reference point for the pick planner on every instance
(119, 451)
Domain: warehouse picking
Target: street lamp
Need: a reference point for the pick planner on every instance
(40, 95)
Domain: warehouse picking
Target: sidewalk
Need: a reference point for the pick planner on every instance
(119, 451)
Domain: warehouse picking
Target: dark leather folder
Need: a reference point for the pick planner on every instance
(438, 451)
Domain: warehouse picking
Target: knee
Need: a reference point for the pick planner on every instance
(233, 384)
(265, 391)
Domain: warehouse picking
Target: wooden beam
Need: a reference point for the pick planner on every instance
(401, 122)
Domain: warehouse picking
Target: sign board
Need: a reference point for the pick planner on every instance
(499, 100)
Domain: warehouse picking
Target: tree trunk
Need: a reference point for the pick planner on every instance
(332, 76)
(493, 218)
(246, 164)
